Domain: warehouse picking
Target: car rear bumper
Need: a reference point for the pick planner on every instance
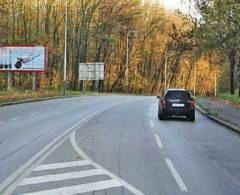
(178, 111)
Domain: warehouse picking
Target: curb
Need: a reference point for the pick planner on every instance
(218, 120)
(35, 100)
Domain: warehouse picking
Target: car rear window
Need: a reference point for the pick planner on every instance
(178, 95)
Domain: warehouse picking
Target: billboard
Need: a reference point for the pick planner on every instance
(23, 58)
(91, 71)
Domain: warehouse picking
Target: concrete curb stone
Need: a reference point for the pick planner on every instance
(218, 120)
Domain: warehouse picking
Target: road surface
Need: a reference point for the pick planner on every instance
(113, 145)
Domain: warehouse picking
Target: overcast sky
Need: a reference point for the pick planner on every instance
(182, 5)
(171, 4)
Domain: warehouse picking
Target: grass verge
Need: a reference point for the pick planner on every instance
(234, 99)
(17, 95)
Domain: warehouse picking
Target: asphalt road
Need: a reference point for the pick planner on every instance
(113, 145)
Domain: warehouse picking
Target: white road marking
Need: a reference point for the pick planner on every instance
(16, 118)
(151, 123)
(1, 123)
(158, 140)
(11, 182)
(153, 106)
(115, 177)
(61, 165)
(176, 176)
(83, 188)
(150, 114)
(34, 113)
(61, 177)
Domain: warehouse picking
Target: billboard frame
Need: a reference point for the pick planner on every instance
(29, 45)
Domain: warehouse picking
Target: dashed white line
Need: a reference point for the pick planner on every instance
(151, 123)
(153, 107)
(61, 177)
(34, 113)
(158, 140)
(176, 176)
(16, 118)
(150, 114)
(61, 165)
(83, 188)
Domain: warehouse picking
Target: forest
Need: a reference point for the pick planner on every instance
(200, 54)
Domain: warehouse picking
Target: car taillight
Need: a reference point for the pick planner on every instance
(164, 103)
(191, 104)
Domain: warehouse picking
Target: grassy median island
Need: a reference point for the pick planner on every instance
(234, 99)
(20, 95)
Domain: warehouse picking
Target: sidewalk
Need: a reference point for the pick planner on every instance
(219, 109)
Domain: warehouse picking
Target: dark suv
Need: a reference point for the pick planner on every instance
(176, 102)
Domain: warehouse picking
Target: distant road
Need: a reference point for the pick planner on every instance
(113, 145)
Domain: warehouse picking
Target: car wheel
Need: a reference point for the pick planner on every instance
(18, 65)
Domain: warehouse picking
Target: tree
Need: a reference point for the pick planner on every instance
(219, 29)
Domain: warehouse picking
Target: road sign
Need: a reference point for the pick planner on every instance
(91, 71)
(23, 58)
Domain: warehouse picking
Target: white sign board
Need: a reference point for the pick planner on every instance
(23, 58)
(91, 71)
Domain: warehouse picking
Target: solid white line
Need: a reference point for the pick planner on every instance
(83, 188)
(61, 177)
(158, 140)
(10, 183)
(34, 113)
(151, 123)
(115, 177)
(176, 176)
(61, 165)
(16, 118)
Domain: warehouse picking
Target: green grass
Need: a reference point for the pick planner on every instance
(235, 99)
(17, 95)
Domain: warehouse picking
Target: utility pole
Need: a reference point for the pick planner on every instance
(215, 84)
(195, 79)
(127, 61)
(165, 71)
(65, 51)
(127, 65)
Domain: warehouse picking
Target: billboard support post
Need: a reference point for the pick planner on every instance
(34, 81)
(9, 83)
